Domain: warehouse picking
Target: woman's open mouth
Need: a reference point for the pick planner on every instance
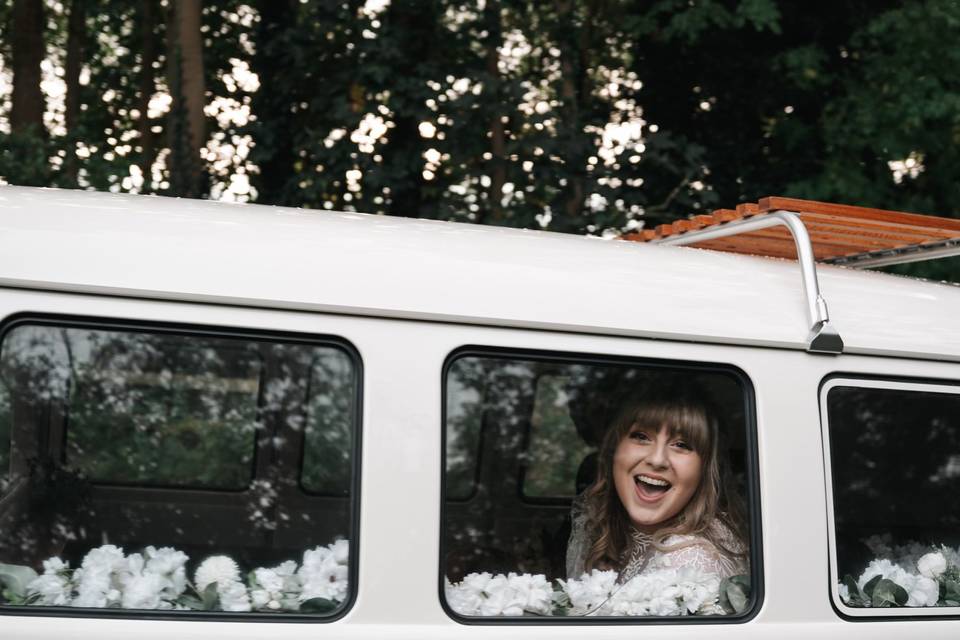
(650, 488)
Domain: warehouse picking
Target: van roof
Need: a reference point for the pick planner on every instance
(254, 255)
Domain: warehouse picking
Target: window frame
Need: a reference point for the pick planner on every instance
(751, 498)
(189, 330)
(867, 381)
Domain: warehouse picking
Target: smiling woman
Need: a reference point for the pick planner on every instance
(583, 487)
(662, 497)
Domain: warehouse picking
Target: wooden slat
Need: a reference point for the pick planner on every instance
(775, 203)
(906, 230)
(782, 237)
(835, 230)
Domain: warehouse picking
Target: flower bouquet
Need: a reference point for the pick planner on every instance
(157, 579)
(910, 575)
(667, 592)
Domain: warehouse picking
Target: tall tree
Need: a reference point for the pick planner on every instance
(76, 36)
(492, 20)
(408, 43)
(26, 113)
(147, 84)
(187, 128)
(275, 37)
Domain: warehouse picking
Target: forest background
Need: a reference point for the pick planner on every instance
(590, 116)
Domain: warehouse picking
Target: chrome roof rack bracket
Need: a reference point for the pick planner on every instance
(823, 337)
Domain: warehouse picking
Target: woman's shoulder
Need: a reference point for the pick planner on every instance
(717, 531)
(708, 551)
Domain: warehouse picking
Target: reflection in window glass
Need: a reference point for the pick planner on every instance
(896, 475)
(555, 450)
(4, 439)
(159, 471)
(326, 456)
(645, 468)
(464, 406)
(175, 412)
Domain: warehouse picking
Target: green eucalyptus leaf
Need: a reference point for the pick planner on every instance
(191, 603)
(888, 593)
(871, 585)
(15, 578)
(318, 605)
(735, 594)
(857, 598)
(210, 597)
(950, 590)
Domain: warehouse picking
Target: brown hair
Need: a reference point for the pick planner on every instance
(684, 412)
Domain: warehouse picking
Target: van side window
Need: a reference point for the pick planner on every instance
(894, 464)
(181, 471)
(599, 488)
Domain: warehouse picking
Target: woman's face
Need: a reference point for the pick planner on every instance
(655, 474)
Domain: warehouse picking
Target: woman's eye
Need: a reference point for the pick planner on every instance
(639, 435)
(682, 445)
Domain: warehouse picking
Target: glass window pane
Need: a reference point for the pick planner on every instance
(326, 458)
(645, 464)
(896, 475)
(555, 451)
(158, 470)
(465, 383)
(5, 420)
(176, 411)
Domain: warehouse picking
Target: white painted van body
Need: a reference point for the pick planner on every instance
(407, 293)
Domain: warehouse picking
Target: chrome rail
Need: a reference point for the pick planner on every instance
(823, 337)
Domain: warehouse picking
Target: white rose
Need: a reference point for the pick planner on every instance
(924, 593)
(219, 569)
(932, 565)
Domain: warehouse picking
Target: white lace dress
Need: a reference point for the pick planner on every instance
(680, 551)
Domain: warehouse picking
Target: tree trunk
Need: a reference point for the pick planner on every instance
(573, 68)
(29, 105)
(147, 85)
(498, 145)
(274, 151)
(76, 35)
(411, 25)
(188, 122)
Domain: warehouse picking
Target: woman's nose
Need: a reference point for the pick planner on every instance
(658, 455)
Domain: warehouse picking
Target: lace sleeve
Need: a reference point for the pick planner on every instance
(579, 543)
(702, 556)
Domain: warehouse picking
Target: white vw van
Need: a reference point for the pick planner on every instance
(247, 422)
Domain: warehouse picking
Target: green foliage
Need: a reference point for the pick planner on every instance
(24, 159)
(13, 582)
(737, 99)
(735, 594)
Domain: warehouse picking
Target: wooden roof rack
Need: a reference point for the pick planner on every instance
(812, 232)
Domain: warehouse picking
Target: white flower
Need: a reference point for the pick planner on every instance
(96, 580)
(461, 599)
(924, 592)
(483, 594)
(54, 586)
(341, 551)
(921, 591)
(219, 569)
(143, 591)
(534, 592)
(500, 599)
(233, 596)
(590, 591)
(932, 565)
(323, 573)
(170, 564)
(273, 588)
(844, 592)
